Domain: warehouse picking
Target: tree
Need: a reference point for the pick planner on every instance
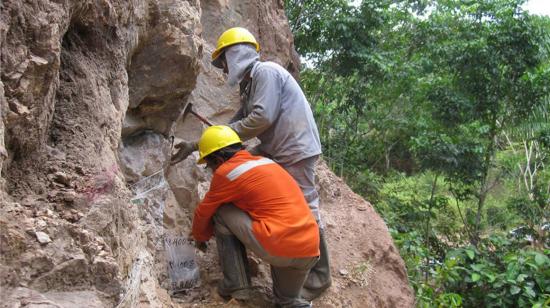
(489, 72)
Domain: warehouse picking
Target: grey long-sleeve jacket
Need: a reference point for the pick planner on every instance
(278, 113)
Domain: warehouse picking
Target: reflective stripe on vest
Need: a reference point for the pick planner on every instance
(239, 170)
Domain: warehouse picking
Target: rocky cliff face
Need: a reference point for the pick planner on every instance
(90, 93)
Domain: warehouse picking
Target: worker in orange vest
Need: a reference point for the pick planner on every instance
(275, 110)
(253, 203)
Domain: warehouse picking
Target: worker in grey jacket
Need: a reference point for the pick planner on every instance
(275, 110)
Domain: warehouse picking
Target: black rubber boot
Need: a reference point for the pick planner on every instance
(234, 264)
(319, 278)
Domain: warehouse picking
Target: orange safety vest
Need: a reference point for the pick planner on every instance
(281, 220)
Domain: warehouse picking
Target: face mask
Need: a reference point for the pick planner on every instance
(238, 58)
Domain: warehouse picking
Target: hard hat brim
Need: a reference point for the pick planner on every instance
(216, 59)
(201, 160)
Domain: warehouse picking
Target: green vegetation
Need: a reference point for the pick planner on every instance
(437, 112)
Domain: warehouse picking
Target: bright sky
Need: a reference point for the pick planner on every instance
(538, 7)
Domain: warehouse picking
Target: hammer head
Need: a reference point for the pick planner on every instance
(185, 111)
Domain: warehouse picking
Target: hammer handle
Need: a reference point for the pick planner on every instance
(203, 120)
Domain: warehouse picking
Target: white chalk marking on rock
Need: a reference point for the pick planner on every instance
(42, 237)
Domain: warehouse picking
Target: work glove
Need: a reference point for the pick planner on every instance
(184, 149)
(202, 246)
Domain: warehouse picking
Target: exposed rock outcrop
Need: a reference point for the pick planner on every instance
(90, 93)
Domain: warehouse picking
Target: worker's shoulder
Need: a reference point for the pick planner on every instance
(238, 159)
(243, 165)
(268, 66)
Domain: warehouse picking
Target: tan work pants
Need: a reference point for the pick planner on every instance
(288, 274)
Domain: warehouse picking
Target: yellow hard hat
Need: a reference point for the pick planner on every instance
(214, 138)
(234, 36)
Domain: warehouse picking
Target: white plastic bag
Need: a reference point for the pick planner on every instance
(183, 270)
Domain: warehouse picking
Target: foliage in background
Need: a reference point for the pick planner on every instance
(437, 112)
